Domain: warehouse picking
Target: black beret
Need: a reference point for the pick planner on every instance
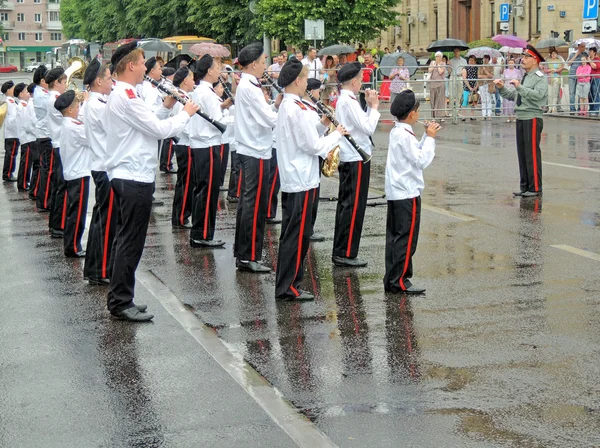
(39, 74)
(289, 72)
(180, 76)
(64, 100)
(31, 88)
(91, 72)
(7, 86)
(313, 84)
(168, 71)
(349, 71)
(203, 65)
(250, 53)
(150, 63)
(403, 103)
(19, 88)
(123, 51)
(54, 74)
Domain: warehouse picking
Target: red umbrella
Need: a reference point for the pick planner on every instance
(508, 40)
(215, 50)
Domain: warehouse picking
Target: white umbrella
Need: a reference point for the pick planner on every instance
(513, 50)
(588, 41)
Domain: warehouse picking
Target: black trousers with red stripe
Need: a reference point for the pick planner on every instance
(317, 196)
(206, 163)
(166, 154)
(252, 208)
(529, 154)
(296, 229)
(235, 180)
(184, 187)
(401, 237)
(102, 230)
(133, 204)
(43, 193)
(34, 182)
(11, 148)
(274, 185)
(59, 189)
(351, 207)
(77, 194)
(24, 167)
(224, 156)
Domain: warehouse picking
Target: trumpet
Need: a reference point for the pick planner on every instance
(183, 99)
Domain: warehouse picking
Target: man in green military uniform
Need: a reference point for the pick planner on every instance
(530, 94)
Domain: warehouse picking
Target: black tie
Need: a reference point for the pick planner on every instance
(519, 96)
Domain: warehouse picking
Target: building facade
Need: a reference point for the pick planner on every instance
(423, 22)
(31, 29)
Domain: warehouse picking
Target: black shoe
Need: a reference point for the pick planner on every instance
(303, 297)
(57, 233)
(206, 243)
(412, 289)
(10, 179)
(252, 266)
(352, 262)
(317, 238)
(98, 281)
(133, 314)
(185, 225)
(529, 194)
(232, 199)
(273, 221)
(75, 255)
(43, 210)
(518, 193)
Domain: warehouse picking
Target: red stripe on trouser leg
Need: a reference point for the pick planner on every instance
(12, 157)
(210, 177)
(26, 167)
(300, 236)
(256, 206)
(239, 185)
(49, 177)
(187, 186)
(170, 154)
(534, 154)
(64, 213)
(222, 150)
(107, 233)
(409, 245)
(272, 191)
(37, 181)
(348, 251)
(81, 190)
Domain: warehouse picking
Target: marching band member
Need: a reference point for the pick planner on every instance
(354, 174)
(167, 151)
(407, 158)
(298, 144)
(255, 121)
(132, 160)
(11, 133)
(205, 140)
(182, 199)
(26, 133)
(228, 146)
(97, 267)
(274, 185)
(41, 133)
(75, 155)
(57, 84)
(235, 179)
(149, 93)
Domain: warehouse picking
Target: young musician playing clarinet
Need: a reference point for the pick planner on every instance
(407, 158)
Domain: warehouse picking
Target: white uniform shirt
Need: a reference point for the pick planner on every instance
(359, 124)
(132, 132)
(151, 96)
(27, 122)
(229, 135)
(406, 160)
(41, 113)
(11, 123)
(254, 119)
(75, 153)
(299, 145)
(183, 136)
(55, 118)
(202, 133)
(95, 132)
(314, 66)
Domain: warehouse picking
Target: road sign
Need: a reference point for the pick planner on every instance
(315, 29)
(505, 11)
(590, 9)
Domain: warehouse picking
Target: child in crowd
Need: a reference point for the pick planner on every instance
(407, 157)
(583, 85)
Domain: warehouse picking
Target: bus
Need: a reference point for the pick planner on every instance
(72, 48)
(183, 43)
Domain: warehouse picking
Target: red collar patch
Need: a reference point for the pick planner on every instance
(44, 90)
(10, 100)
(77, 122)
(301, 104)
(130, 94)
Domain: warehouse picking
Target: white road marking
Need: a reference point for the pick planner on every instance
(576, 251)
(299, 428)
(584, 168)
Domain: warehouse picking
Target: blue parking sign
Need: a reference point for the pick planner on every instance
(505, 11)
(590, 9)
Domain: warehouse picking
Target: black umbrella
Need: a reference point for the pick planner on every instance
(388, 62)
(157, 45)
(448, 45)
(336, 49)
(176, 61)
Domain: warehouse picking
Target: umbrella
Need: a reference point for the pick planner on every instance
(448, 45)
(551, 42)
(215, 50)
(510, 40)
(388, 62)
(512, 50)
(336, 49)
(480, 52)
(156, 45)
(588, 41)
(176, 61)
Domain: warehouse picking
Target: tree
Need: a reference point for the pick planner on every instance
(223, 20)
(345, 20)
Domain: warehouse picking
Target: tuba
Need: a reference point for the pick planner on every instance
(76, 69)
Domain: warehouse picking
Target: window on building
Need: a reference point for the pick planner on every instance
(53, 1)
(55, 36)
(538, 16)
(5, 36)
(20, 1)
(493, 22)
(437, 24)
(4, 16)
(39, 37)
(54, 16)
(408, 24)
(21, 36)
(20, 17)
(37, 1)
(37, 18)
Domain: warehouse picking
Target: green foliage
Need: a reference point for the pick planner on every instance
(223, 20)
(487, 42)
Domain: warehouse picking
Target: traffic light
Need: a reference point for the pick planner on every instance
(554, 33)
(568, 35)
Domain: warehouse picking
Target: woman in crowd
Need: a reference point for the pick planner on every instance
(511, 72)
(329, 80)
(470, 96)
(437, 87)
(400, 77)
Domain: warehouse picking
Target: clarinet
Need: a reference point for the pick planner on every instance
(273, 83)
(365, 157)
(220, 126)
(226, 90)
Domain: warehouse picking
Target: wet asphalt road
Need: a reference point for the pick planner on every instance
(502, 351)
